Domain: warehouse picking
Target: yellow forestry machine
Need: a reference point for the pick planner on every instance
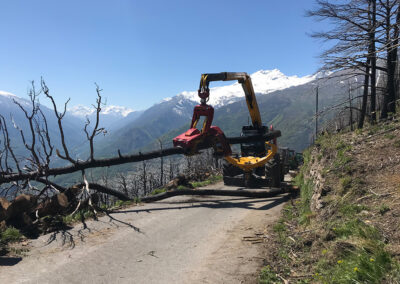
(258, 163)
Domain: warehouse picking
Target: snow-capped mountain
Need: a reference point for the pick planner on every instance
(7, 94)
(264, 82)
(177, 111)
(110, 115)
(128, 129)
(111, 110)
(15, 120)
(7, 101)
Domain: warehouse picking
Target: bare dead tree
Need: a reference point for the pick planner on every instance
(96, 130)
(171, 169)
(189, 162)
(17, 173)
(123, 183)
(143, 178)
(350, 109)
(161, 163)
(363, 32)
(7, 151)
(134, 187)
(59, 116)
(365, 96)
(372, 55)
(391, 11)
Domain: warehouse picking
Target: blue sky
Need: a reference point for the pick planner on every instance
(140, 52)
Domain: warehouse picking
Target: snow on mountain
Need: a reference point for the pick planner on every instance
(264, 82)
(116, 110)
(7, 94)
(111, 110)
(7, 101)
(80, 111)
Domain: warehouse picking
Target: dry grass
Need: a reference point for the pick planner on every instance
(353, 235)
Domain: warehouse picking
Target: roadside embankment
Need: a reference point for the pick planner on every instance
(344, 227)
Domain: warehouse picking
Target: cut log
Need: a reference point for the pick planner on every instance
(179, 180)
(19, 211)
(52, 206)
(62, 200)
(4, 204)
(21, 204)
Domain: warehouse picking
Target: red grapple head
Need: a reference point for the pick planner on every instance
(204, 94)
(209, 135)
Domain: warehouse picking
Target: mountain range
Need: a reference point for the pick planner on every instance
(173, 113)
(288, 102)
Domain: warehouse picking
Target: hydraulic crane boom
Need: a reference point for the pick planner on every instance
(254, 155)
(245, 80)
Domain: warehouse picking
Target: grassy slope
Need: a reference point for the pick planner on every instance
(344, 226)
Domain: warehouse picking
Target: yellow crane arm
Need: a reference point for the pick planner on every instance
(245, 163)
(249, 163)
(245, 80)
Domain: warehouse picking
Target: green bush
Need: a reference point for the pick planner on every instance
(118, 203)
(182, 187)
(359, 266)
(345, 184)
(267, 276)
(78, 216)
(306, 192)
(341, 158)
(211, 180)
(10, 235)
(390, 136)
(355, 228)
(158, 191)
(383, 209)
(349, 210)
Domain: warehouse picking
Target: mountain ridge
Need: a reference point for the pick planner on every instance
(137, 129)
(172, 113)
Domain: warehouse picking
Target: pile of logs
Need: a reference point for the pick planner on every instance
(26, 209)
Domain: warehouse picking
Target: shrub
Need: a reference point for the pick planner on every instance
(383, 209)
(10, 235)
(158, 191)
(268, 276)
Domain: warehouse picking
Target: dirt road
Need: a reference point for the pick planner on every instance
(178, 240)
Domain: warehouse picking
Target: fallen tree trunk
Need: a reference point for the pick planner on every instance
(123, 159)
(213, 192)
(110, 191)
(201, 192)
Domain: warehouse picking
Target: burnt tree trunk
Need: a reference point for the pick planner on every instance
(372, 57)
(365, 96)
